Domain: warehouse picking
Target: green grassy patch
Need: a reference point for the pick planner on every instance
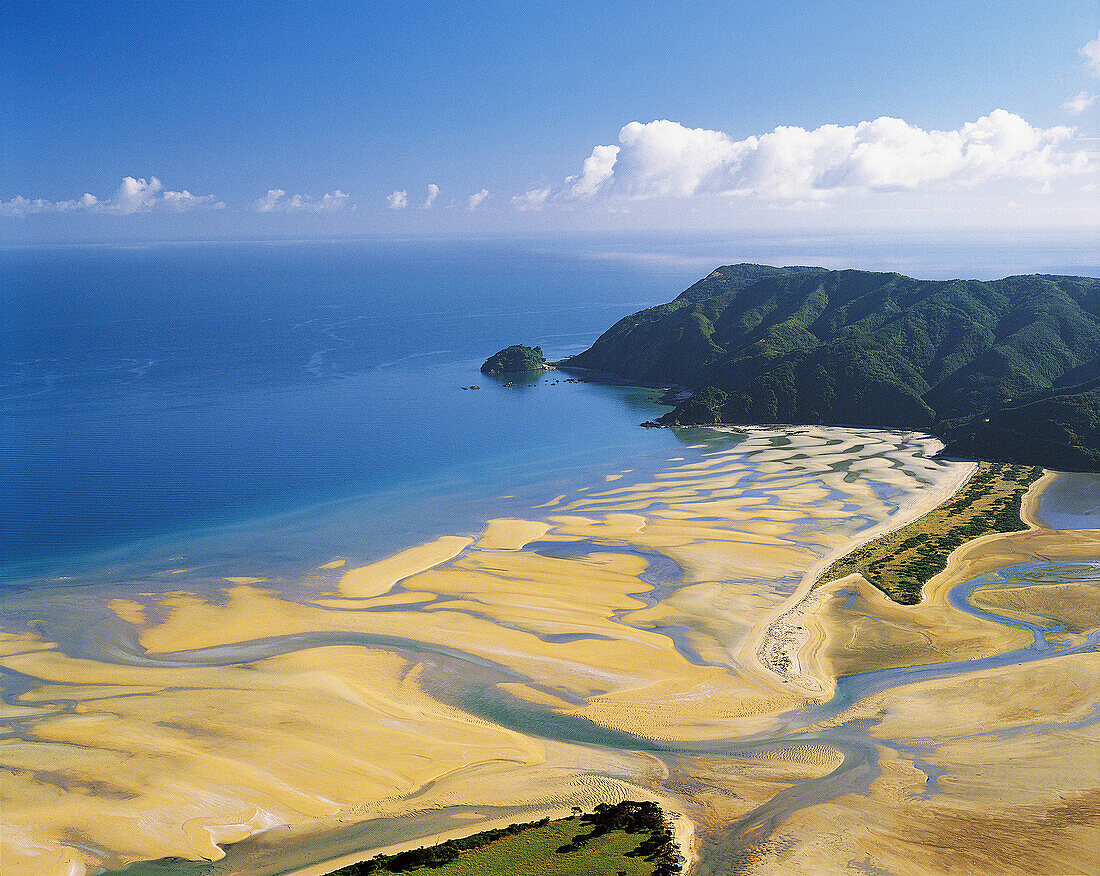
(627, 839)
(899, 564)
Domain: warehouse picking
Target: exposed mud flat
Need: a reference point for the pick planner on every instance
(614, 644)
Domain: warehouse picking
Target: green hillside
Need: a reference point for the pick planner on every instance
(1006, 369)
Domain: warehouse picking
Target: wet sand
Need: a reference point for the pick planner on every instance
(989, 765)
(619, 642)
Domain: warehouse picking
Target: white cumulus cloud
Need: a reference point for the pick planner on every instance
(86, 201)
(180, 201)
(1079, 103)
(136, 195)
(399, 200)
(533, 199)
(666, 159)
(269, 202)
(475, 200)
(278, 201)
(596, 172)
(433, 193)
(133, 195)
(1091, 53)
(20, 206)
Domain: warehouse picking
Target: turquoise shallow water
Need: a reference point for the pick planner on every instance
(283, 403)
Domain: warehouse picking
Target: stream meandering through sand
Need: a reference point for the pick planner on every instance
(623, 641)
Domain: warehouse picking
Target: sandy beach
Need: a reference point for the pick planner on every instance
(652, 638)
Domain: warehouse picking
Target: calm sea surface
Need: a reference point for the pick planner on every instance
(224, 403)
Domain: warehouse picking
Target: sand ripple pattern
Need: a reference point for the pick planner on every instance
(619, 641)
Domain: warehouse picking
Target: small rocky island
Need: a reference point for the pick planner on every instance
(515, 359)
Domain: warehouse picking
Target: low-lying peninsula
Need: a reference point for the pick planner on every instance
(903, 561)
(1007, 370)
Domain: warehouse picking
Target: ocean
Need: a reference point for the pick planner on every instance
(275, 404)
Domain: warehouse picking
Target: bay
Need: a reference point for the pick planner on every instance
(161, 404)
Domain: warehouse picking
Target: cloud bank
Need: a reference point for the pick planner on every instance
(399, 200)
(132, 196)
(433, 193)
(666, 159)
(277, 201)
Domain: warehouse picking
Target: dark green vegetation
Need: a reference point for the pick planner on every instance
(627, 838)
(1007, 369)
(515, 359)
(902, 562)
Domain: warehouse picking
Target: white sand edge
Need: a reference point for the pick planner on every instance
(782, 644)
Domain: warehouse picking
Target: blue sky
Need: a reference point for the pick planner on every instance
(180, 119)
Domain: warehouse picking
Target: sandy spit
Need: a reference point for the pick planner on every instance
(784, 643)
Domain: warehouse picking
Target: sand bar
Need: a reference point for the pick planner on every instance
(493, 675)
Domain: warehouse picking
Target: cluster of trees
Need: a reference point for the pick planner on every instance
(630, 816)
(1058, 429)
(1006, 369)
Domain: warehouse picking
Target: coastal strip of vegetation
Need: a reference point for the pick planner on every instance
(624, 839)
(902, 562)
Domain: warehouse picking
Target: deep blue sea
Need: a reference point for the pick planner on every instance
(258, 408)
(221, 403)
